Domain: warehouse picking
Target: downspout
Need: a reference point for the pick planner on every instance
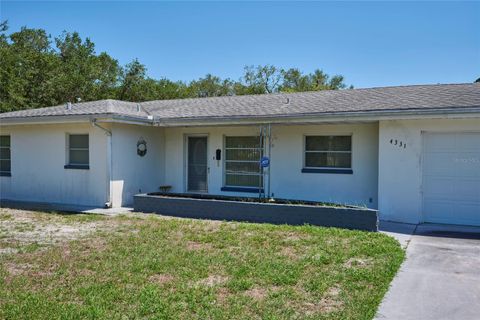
(108, 133)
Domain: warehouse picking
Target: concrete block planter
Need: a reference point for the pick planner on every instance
(294, 214)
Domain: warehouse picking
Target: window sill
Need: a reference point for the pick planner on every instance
(5, 174)
(336, 171)
(241, 189)
(77, 166)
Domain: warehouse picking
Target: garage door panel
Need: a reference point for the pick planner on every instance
(444, 211)
(438, 186)
(440, 142)
(451, 178)
(467, 190)
(467, 164)
(466, 211)
(436, 209)
(440, 162)
(467, 141)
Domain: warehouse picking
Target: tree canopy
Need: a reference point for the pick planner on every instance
(36, 71)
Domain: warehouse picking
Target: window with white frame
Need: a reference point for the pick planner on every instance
(78, 154)
(5, 157)
(328, 152)
(242, 162)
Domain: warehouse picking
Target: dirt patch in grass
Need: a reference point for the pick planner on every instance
(222, 295)
(15, 269)
(212, 281)
(293, 236)
(260, 293)
(22, 228)
(161, 278)
(8, 250)
(196, 246)
(358, 262)
(32, 271)
(329, 303)
(290, 253)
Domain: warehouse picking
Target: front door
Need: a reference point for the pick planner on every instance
(197, 164)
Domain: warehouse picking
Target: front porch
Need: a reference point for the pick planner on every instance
(224, 160)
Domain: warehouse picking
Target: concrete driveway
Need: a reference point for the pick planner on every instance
(440, 278)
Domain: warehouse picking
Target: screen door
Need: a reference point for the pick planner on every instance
(197, 164)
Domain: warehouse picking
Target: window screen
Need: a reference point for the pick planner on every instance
(242, 162)
(328, 152)
(78, 149)
(5, 160)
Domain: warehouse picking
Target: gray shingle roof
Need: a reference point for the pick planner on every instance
(103, 107)
(417, 97)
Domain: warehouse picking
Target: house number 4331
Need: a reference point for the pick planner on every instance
(398, 143)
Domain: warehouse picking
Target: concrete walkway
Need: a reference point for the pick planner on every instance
(440, 278)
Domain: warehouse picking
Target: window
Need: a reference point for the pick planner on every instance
(328, 153)
(242, 162)
(78, 151)
(5, 160)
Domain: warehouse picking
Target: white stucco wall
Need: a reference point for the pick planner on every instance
(287, 180)
(358, 188)
(38, 156)
(133, 174)
(400, 169)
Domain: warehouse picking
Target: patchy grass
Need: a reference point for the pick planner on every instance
(140, 266)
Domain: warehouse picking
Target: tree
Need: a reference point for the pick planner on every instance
(132, 78)
(478, 80)
(3, 30)
(295, 81)
(136, 86)
(268, 79)
(167, 89)
(28, 66)
(82, 74)
(262, 79)
(210, 86)
(36, 72)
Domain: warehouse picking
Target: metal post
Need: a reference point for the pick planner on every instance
(261, 180)
(269, 156)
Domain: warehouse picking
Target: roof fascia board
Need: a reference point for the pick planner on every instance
(75, 119)
(281, 119)
(332, 117)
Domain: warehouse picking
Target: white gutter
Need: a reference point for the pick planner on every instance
(306, 118)
(108, 133)
(76, 119)
(316, 118)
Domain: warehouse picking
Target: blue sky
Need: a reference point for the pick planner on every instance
(370, 43)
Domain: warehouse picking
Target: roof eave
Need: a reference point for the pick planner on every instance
(324, 117)
(248, 120)
(106, 117)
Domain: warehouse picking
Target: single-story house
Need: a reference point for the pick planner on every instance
(412, 152)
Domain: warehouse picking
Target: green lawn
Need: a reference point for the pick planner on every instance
(150, 267)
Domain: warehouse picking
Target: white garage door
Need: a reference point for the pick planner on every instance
(451, 178)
